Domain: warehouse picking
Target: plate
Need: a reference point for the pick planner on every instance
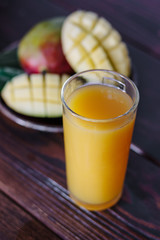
(42, 124)
(9, 67)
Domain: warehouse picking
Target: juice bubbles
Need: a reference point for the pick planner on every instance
(98, 129)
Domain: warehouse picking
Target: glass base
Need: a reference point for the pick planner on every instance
(96, 207)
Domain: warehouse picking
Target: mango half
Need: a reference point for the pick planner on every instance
(35, 95)
(90, 42)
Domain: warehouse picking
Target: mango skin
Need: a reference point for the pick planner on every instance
(41, 50)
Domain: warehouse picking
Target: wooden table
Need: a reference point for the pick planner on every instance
(34, 202)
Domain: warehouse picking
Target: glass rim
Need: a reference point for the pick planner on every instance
(132, 109)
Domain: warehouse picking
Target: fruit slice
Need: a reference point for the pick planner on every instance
(35, 95)
(90, 42)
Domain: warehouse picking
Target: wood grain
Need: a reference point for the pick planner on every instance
(147, 128)
(34, 177)
(16, 224)
(34, 201)
(146, 68)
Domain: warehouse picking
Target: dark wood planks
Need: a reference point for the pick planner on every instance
(16, 224)
(19, 16)
(32, 173)
(147, 130)
(146, 75)
(138, 21)
(146, 67)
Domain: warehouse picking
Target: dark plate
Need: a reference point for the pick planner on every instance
(9, 59)
(41, 124)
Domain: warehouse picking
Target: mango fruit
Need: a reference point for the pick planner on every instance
(35, 95)
(90, 42)
(41, 50)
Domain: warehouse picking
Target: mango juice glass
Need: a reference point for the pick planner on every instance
(97, 149)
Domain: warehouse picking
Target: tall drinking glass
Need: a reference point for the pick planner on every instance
(99, 110)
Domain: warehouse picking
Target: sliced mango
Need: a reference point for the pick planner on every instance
(90, 42)
(35, 95)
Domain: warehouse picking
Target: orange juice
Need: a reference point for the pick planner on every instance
(97, 144)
